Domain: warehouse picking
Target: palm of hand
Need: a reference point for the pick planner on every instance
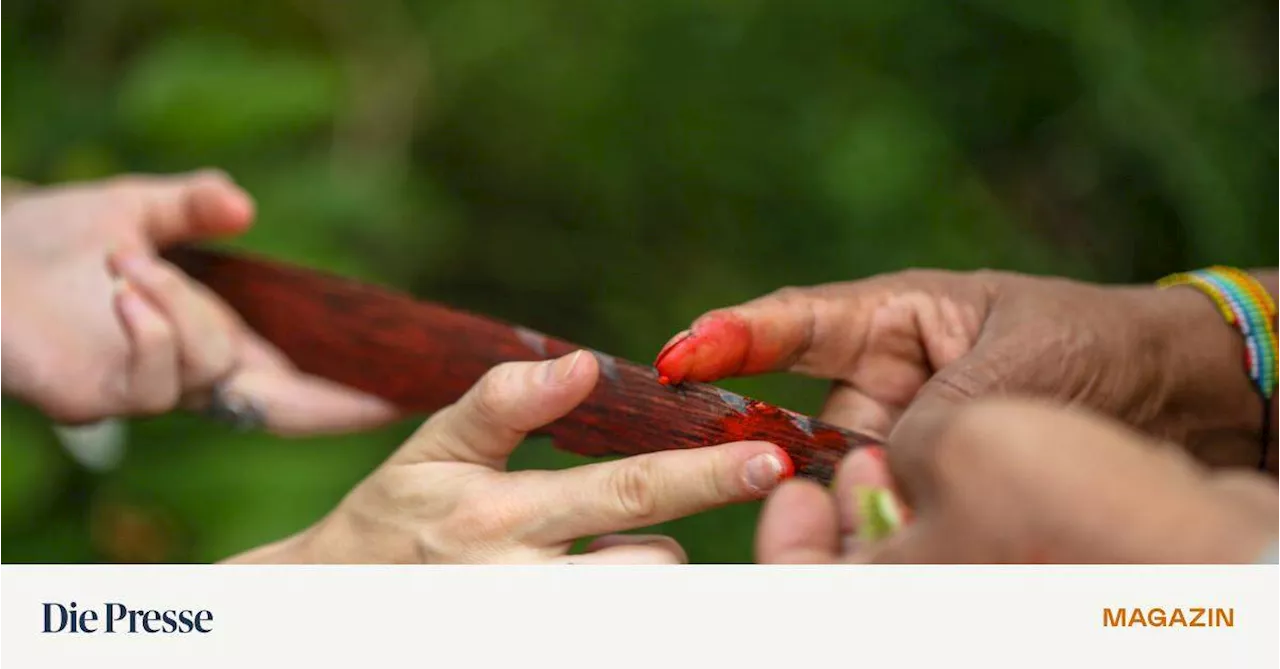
(59, 295)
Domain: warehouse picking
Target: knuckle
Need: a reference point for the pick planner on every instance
(987, 275)
(916, 275)
(963, 381)
(498, 393)
(153, 401)
(80, 404)
(633, 490)
(913, 274)
(720, 481)
(790, 294)
(919, 277)
(152, 334)
(203, 368)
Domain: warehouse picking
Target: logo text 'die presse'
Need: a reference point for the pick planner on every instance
(116, 618)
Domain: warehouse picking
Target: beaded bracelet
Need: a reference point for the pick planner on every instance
(1247, 306)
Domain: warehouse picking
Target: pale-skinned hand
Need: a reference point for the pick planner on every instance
(445, 496)
(96, 325)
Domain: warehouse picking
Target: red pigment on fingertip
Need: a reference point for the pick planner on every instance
(679, 336)
(788, 465)
(715, 347)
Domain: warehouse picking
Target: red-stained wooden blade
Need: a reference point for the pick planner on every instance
(423, 356)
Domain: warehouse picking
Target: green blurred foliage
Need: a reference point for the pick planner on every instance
(607, 171)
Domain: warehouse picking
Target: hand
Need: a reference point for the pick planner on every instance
(445, 496)
(1022, 482)
(903, 347)
(96, 325)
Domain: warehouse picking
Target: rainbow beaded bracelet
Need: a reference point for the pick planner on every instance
(1247, 306)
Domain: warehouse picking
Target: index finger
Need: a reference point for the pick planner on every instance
(818, 330)
(654, 488)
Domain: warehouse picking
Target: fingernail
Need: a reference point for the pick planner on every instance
(879, 514)
(764, 472)
(560, 370)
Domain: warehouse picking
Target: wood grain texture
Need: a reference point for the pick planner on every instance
(424, 356)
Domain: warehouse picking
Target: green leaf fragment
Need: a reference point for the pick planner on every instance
(879, 512)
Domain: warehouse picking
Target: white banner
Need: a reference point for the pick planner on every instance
(651, 617)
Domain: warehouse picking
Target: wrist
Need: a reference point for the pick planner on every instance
(297, 549)
(1215, 409)
(339, 538)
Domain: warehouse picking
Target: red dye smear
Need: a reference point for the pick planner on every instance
(716, 346)
(788, 465)
(878, 453)
(762, 422)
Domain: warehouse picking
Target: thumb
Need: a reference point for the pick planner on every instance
(976, 374)
(510, 401)
(195, 206)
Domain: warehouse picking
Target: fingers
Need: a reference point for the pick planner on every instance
(204, 337)
(151, 374)
(853, 409)
(511, 400)
(772, 332)
(802, 523)
(630, 549)
(799, 525)
(880, 339)
(653, 488)
(192, 206)
(291, 403)
(816, 330)
(862, 474)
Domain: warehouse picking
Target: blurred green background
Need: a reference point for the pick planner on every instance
(606, 171)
